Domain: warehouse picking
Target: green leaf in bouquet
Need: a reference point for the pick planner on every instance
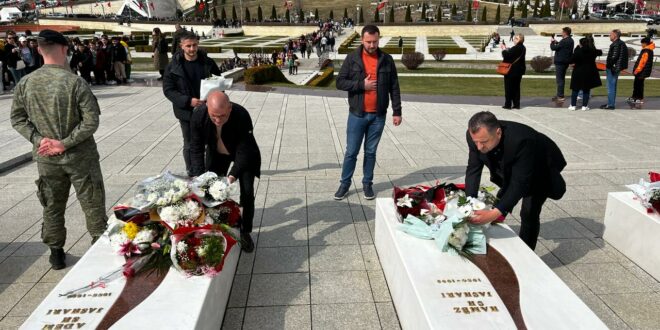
(462, 200)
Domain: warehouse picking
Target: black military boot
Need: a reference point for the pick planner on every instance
(57, 258)
(94, 239)
(247, 244)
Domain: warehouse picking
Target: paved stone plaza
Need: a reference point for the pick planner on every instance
(315, 264)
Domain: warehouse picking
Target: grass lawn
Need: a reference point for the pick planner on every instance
(494, 87)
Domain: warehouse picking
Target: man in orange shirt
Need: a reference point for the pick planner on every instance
(369, 76)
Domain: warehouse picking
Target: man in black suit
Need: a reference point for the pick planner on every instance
(221, 133)
(524, 163)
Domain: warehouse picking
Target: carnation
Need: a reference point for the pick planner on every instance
(181, 247)
(145, 236)
(117, 240)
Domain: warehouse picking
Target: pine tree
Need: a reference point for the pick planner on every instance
(361, 15)
(301, 15)
(438, 16)
(332, 15)
(453, 10)
(391, 14)
(260, 14)
(316, 14)
(555, 6)
(214, 12)
(585, 13)
(511, 13)
(524, 11)
(424, 11)
(287, 16)
(273, 13)
(223, 14)
(247, 14)
(233, 13)
(345, 13)
(469, 14)
(408, 16)
(376, 18)
(484, 15)
(536, 9)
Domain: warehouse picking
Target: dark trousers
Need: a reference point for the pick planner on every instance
(512, 90)
(99, 76)
(185, 131)
(86, 74)
(638, 88)
(220, 165)
(585, 97)
(530, 218)
(560, 76)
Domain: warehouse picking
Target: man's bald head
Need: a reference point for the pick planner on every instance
(219, 107)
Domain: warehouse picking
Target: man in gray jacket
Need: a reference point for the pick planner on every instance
(563, 52)
(369, 76)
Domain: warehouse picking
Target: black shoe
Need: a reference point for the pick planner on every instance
(342, 191)
(247, 244)
(507, 108)
(516, 108)
(159, 78)
(368, 191)
(57, 258)
(606, 107)
(94, 239)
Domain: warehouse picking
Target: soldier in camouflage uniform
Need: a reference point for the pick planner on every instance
(57, 112)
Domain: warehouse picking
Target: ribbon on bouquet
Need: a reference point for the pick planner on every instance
(476, 240)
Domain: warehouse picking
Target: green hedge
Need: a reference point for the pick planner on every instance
(150, 49)
(344, 47)
(264, 74)
(247, 50)
(448, 50)
(323, 79)
(397, 50)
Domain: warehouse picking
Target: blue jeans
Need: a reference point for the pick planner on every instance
(560, 76)
(17, 74)
(585, 97)
(368, 128)
(612, 79)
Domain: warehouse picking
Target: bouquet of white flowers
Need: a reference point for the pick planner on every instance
(213, 190)
(184, 213)
(161, 190)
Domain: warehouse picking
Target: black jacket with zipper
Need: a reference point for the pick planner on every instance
(351, 79)
(178, 89)
(617, 56)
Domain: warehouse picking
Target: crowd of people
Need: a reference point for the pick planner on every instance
(585, 74)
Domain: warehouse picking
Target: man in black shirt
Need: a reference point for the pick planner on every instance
(181, 84)
(524, 163)
(222, 134)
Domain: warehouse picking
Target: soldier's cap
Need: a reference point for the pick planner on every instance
(52, 37)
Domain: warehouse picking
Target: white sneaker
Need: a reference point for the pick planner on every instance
(586, 108)
(572, 108)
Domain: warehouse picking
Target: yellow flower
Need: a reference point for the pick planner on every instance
(131, 229)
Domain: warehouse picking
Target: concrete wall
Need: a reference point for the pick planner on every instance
(285, 31)
(582, 28)
(434, 30)
(114, 26)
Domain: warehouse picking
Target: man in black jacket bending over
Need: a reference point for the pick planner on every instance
(524, 163)
(221, 133)
(181, 84)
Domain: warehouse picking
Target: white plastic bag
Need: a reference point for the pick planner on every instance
(214, 83)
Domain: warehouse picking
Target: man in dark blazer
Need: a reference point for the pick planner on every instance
(221, 133)
(524, 163)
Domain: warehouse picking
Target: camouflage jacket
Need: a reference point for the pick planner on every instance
(52, 102)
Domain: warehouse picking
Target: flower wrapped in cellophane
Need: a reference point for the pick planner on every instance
(212, 189)
(200, 250)
(648, 192)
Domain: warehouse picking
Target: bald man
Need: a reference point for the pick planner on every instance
(221, 133)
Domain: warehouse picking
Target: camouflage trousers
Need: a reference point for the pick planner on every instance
(53, 186)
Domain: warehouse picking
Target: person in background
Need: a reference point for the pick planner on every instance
(129, 59)
(585, 75)
(617, 61)
(37, 59)
(516, 56)
(642, 70)
(13, 56)
(100, 64)
(160, 51)
(118, 58)
(563, 53)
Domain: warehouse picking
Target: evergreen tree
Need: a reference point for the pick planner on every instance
(376, 18)
(498, 15)
(438, 15)
(316, 14)
(484, 15)
(524, 11)
(260, 14)
(223, 14)
(391, 14)
(247, 14)
(453, 10)
(424, 11)
(214, 12)
(469, 14)
(345, 13)
(536, 9)
(273, 13)
(585, 13)
(233, 13)
(332, 15)
(511, 13)
(575, 8)
(408, 16)
(301, 15)
(361, 16)
(555, 6)
(287, 16)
